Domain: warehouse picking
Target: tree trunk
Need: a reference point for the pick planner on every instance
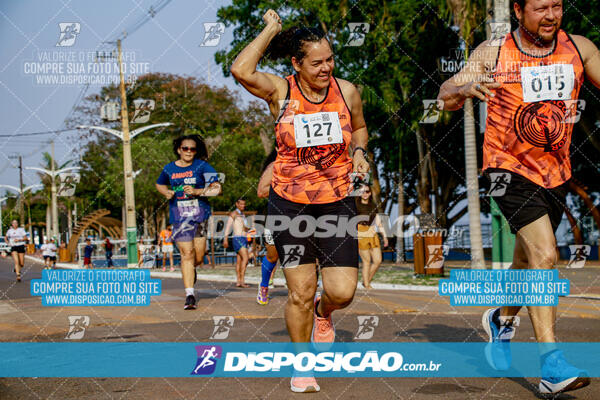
(477, 260)
(423, 184)
(48, 221)
(123, 223)
(69, 221)
(145, 222)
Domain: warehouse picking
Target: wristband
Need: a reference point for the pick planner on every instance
(363, 150)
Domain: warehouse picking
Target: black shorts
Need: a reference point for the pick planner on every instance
(522, 201)
(333, 250)
(18, 249)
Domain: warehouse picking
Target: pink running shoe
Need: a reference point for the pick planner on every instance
(323, 329)
(304, 384)
(262, 297)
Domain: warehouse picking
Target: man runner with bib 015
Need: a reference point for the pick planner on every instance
(182, 182)
(318, 120)
(530, 82)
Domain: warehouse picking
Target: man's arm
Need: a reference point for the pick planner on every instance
(228, 229)
(472, 80)
(265, 182)
(591, 58)
(381, 230)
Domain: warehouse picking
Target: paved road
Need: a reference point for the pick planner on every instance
(403, 316)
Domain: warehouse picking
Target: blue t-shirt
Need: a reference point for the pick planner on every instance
(181, 206)
(88, 250)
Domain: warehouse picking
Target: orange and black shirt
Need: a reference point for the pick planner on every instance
(527, 136)
(317, 174)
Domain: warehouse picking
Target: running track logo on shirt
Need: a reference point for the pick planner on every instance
(207, 359)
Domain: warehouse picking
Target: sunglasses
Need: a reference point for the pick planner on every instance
(190, 149)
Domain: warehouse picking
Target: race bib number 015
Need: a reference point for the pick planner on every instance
(317, 129)
(547, 82)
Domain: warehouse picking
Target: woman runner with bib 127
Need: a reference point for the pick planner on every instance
(318, 120)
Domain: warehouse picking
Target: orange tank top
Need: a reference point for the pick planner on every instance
(530, 120)
(313, 164)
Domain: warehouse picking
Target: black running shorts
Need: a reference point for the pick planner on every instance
(522, 201)
(312, 244)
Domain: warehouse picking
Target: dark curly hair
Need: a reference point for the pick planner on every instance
(290, 43)
(201, 152)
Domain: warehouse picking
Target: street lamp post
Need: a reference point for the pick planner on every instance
(53, 174)
(126, 137)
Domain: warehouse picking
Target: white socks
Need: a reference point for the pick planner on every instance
(189, 291)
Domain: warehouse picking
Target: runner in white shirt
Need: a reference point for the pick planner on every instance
(16, 238)
(49, 253)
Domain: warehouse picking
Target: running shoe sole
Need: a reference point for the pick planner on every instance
(191, 306)
(308, 389)
(485, 321)
(567, 385)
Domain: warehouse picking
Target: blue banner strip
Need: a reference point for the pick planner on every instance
(224, 359)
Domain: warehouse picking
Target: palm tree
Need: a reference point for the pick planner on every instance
(47, 182)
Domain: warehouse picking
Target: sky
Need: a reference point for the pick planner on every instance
(30, 30)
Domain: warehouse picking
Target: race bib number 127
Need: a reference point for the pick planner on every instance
(317, 129)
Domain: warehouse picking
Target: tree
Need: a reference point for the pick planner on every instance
(466, 14)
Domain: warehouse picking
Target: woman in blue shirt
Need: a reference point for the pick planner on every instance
(184, 184)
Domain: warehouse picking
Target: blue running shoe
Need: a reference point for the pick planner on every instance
(559, 376)
(497, 351)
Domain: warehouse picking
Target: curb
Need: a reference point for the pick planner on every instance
(252, 280)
